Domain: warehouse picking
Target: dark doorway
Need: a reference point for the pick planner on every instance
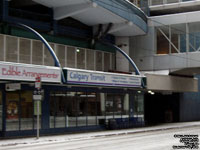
(161, 108)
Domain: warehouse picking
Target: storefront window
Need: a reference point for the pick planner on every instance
(19, 110)
(77, 109)
(139, 106)
(71, 109)
(72, 112)
(57, 110)
(82, 108)
(26, 110)
(63, 109)
(114, 106)
(12, 111)
(1, 110)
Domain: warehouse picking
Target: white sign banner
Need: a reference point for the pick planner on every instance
(102, 78)
(24, 72)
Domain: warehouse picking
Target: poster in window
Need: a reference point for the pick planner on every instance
(12, 109)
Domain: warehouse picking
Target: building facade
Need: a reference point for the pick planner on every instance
(90, 91)
(96, 87)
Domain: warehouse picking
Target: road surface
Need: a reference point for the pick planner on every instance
(151, 140)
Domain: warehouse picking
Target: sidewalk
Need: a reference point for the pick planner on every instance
(92, 135)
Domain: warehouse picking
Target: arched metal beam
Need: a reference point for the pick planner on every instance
(56, 60)
(137, 72)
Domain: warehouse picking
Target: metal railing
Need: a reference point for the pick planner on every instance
(162, 2)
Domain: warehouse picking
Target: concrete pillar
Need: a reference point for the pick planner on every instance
(102, 99)
(122, 63)
(126, 103)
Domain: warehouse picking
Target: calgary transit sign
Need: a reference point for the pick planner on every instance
(25, 72)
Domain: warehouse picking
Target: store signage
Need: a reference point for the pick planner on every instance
(25, 72)
(76, 76)
(13, 86)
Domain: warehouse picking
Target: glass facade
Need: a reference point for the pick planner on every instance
(19, 111)
(161, 2)
(178, 38)
(77, 109)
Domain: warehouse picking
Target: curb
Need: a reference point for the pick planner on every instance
(85, 137)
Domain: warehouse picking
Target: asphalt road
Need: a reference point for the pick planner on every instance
(151, 140)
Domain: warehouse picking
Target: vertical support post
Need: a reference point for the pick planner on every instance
(187, 39)
(179, 43)
(85, 51)
(18, 50)
(65, 56)
(170, 39)
(76, 63)
(102, 61)
(4, 111)
(38, 119)
(4, 47)
(31, 52)
(95, 68)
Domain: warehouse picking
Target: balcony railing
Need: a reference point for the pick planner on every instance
(162, 2)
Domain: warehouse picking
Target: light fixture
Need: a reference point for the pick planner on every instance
(77, 50)
(150, 92)
(139, 91)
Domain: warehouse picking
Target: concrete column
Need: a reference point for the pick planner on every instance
(126, 102)
(122, 63)
(102, 99)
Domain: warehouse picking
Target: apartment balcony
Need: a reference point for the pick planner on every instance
(163, 7)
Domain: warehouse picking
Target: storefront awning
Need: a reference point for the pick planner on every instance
(171, 83)
(187, 72)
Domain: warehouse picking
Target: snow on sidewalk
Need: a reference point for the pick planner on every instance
(91, 135)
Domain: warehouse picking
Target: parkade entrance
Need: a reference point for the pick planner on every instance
(166, 103)
(161, 108)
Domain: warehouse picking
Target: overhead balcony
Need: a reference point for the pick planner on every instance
(161, 7)
(126, 18)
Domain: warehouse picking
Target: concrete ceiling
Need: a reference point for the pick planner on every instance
(92, 14)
